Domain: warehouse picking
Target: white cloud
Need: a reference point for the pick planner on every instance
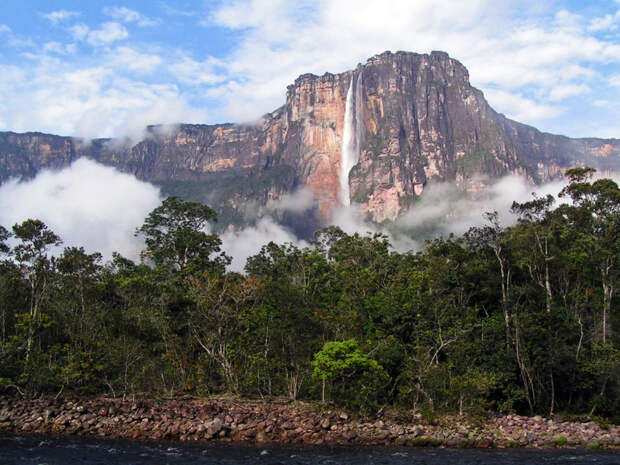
(601, 103)
(296, 202)
(520, 108)
(614, 80)
(88, 102)
(449, 211)
(109, 32)
(128, 15)
(79, 31)
(61, 49)
(561, 92)
(21, 43)
(444, 209)
(567, 19)
(12, 40)
(60, 15)
(164, 110)
(243, 244)
(193, 72)
(607, 22)
(8, 76)
(525, 53)
(169, 10)
(80, 206)
(128, 58)
(503, 47)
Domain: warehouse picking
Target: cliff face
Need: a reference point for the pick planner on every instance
(412, 119)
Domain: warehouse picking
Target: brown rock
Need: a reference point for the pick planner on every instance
(419, 120)
(261, 437)
(483, 444)
(214, 427)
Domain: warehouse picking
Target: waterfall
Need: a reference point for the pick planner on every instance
(351, 136)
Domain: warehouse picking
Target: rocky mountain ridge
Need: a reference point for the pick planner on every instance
(413, 119)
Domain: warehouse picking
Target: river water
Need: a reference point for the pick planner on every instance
(39, 450)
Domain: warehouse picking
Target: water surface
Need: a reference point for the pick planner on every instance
(39, 450)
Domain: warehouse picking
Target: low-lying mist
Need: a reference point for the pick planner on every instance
(86, 204)
(98, 207)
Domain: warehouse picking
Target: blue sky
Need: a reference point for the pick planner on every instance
(100, 68)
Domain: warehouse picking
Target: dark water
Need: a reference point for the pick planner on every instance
(33, 450)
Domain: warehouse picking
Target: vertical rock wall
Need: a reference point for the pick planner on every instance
(417, 120)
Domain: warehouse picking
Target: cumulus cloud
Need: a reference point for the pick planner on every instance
(131, 59)
(58, 16)
(190, 71)
(569, 90)
(532, 56)
(79, 31)
(608, 22)
(520, 108)
(86, 204)
(59, 48)
(166, 110)
(172, 11)
(89, 101)
(107, 33)
(542, 63)
(127, 15)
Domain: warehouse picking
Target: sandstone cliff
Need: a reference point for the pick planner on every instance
(416, 120)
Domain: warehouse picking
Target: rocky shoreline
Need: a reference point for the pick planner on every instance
(227, 420)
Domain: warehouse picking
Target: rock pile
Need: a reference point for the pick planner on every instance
(285, 423)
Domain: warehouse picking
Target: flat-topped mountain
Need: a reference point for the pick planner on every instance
(377, 136)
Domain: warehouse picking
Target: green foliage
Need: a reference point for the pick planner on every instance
(521, 318)
(472, 390)
(176, 238)
(4, 235)
(355, 379)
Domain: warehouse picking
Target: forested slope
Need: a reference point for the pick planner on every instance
(521, 318)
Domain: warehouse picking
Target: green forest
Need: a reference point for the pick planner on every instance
(507, 319)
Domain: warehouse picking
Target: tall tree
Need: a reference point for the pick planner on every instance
(31, 254)
(177, 238)
(537, 230)
(595, 214)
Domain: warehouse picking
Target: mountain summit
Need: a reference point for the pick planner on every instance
(376, 136)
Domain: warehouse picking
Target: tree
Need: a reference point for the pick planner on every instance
(358, 380)
(595, 214)
(80, 271)
(177, 240)
(216, 321)
(285, 323)
(4, 235)
(538, 229)
(492, 236)
(31, 255)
